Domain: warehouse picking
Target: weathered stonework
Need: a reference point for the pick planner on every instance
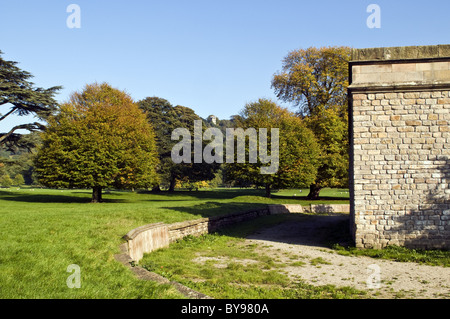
(399, 108)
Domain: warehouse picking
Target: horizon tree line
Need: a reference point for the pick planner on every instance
(86, 139)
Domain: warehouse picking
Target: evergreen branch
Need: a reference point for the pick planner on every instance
(9, 113)
(30, 127)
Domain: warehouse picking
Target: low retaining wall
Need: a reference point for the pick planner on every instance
(335, 208)
(318, 208)
(148, 238)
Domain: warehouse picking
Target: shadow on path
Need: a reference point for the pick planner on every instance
(301, 229)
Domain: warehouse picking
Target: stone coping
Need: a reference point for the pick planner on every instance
(400, 69)
(135, 232)
(401, 53)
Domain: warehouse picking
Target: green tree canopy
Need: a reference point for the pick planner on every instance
(316, 80)
(18, 180)
(298, 149)
(99, 138)
(165, 118)
(5, 180)
(330, 126)
(18, 96)
(19, 160)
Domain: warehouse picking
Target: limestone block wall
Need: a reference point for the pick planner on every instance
(399, 108)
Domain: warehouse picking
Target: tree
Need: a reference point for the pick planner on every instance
(165, 118)
(17, 92)
(330, 126)
(19, 160)
(298, 149)
(316, 81)
(100, 138)
(18, 180)
(6, 181)
(314, 77)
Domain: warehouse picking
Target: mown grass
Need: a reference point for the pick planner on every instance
(43, 231)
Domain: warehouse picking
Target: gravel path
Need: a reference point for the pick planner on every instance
(303, 239)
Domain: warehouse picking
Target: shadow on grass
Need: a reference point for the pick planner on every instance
(222, 193)
(212, 208)
(53, 198)
(76, 196)
(240, 195)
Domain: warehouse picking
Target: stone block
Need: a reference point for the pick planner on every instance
(413, 123)
(404, 67)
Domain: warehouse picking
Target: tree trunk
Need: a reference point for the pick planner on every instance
(156, 189)
(96, 195)
(314, 191)
(172, 184)
(268, 194)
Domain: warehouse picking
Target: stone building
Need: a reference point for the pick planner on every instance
(399, 109)
(212, 119)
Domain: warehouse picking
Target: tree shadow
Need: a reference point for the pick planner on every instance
(222, 193)
(425, 221)
(52, 198)
(324, 230)
(214, 209)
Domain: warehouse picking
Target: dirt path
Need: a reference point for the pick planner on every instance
(304, 240)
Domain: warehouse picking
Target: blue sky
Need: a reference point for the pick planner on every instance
(211, 56)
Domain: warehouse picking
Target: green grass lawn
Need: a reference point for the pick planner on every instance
(43, 231)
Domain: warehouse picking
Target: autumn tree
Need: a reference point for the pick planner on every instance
(18, 96)
(316, 80)
(298, 149)
(98, 139)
